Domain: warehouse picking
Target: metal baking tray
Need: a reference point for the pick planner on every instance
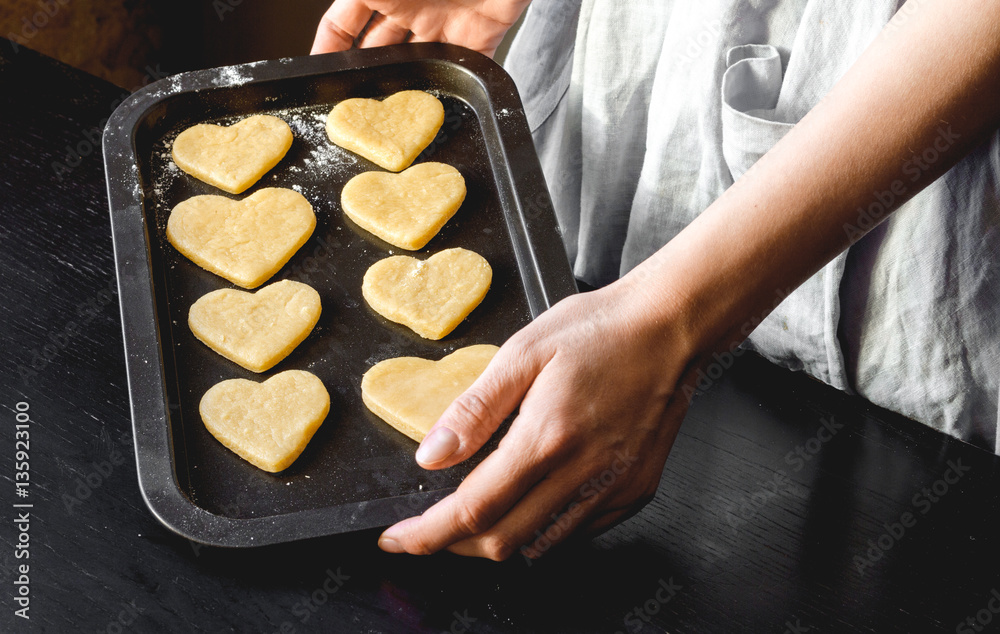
(357, 472)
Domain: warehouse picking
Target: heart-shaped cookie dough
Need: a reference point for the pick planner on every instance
(406, 209)
(234, 157)
(429, 296)
(390, 133)
(244, 241)
(267, 424)
(411, 393)
(256, 330)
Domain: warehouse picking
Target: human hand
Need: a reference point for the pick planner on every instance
(599, 375)
(476, 24)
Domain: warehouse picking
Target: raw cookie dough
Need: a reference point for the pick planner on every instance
(411, 393)
(256, 330)
(267, 424)
(244, 241)
(235, 157)
(390, 133)
(429, 296)
(406, 209)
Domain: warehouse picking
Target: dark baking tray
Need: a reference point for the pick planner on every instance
(356, 472)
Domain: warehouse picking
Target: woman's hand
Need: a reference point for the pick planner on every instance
(476, 24)
(601, 407)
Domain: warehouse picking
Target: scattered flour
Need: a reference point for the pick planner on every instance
(233, 75)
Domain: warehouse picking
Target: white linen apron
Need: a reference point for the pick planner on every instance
(644, 112)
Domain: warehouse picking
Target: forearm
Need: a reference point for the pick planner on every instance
(929, 83)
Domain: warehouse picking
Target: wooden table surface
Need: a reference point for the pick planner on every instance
(786, 506)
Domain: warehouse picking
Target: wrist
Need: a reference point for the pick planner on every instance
(659, 312)
(702, 291)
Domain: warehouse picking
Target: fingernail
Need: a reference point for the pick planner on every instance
(389, 545)
(441, 443)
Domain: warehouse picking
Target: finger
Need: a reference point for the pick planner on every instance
(383, 32)
(473, 417)
(545, 516)
(532, 527)
(340, 25)
(484, 496)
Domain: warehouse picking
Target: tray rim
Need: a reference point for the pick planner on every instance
(535, 238)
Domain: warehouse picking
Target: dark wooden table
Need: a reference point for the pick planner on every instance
(786, 506)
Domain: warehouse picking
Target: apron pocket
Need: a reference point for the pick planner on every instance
(751, 86)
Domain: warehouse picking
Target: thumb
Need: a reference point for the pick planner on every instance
(473, 417)
(340, 25)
